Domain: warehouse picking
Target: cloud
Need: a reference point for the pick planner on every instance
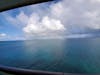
(52, 24)
(19, 20)
(95, 1)
(61, 18)
(22, 18)
(2, 35)
(65, 18)
(47, 27)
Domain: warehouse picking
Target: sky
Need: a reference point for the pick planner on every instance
(57, 19)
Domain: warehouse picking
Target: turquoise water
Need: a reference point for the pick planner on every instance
(57, 55)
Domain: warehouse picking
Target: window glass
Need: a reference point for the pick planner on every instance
(58, 36)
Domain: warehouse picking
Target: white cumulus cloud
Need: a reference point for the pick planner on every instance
(47, 26)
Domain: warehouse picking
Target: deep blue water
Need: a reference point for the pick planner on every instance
(57, 55)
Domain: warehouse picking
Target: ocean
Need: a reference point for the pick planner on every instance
(79, 55)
